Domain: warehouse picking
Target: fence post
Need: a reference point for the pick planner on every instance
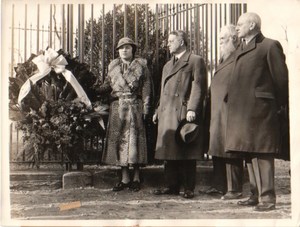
(12, 41)
(114, 31)
(81, 32)
(103, 38)
(63, 28)
(92, 37)
(125, 20)
(25, 34)
(70, 30)
(136, 23)
(38, 29)
(146, 28)
(50, 28)
(156, 37)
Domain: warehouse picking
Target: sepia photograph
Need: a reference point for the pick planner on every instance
(174, 113)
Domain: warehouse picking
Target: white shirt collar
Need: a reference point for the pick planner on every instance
(180, 55)
(249, 39)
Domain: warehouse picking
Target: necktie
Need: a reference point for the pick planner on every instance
(175, 60)
(243, 44)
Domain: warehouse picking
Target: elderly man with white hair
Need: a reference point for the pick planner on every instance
(228, 167)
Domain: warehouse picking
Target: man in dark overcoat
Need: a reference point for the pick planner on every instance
(257, 91)
(183, 88)
(228, 167)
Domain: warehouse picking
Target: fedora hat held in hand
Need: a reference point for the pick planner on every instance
(187, 132)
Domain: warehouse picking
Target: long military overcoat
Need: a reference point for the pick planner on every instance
(183, 88)
(258, 89)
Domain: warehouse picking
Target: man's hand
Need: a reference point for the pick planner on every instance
(190, 116)
(155, 118)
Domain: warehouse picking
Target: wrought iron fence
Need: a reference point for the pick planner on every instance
(60, 26)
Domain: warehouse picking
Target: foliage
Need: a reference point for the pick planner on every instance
(50, 116)
(109, 53)
(149, 52)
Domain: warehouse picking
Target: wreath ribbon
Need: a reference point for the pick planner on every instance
(45, 63)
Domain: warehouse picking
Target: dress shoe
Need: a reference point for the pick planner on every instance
(166, 191)
(264, 207)
(248, 202)
(231, 195)
(135, 186)
(120, 186)
(188, 194)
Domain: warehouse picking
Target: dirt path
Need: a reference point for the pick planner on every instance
(92, 203)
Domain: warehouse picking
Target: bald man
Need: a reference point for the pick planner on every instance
(257, 91)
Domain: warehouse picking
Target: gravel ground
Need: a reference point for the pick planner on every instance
(103, 204)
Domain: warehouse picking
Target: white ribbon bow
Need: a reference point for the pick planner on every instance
(45, 63)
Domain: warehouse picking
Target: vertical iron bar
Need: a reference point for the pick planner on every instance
(50, 27)
(206, 33)
(147, 28)
(167, 28)
(167, 18)
(195, 28)
(38, 29)
(187, 19)
(177, 17)
(125, 20)
(204, 52)
(173, 14)
(135, 23)
(225, 13)
(191, 29)
(180, 16)
(239, 10)
(216, 34)
(43, 33)
(230, 13)
(54, 37)
(156, 39)
(103, 40)
(30, 40)
(244, 7)
(81, 32)
(114, 31)
(12, 40)
(70, 30)
(92, 37)
(220, 7)
(19, 43)
(63, 28)
(211, 38)
(25, 34)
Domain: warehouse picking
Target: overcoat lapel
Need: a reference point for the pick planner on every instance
(173, 69)
(227, 61)
(251, 46)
